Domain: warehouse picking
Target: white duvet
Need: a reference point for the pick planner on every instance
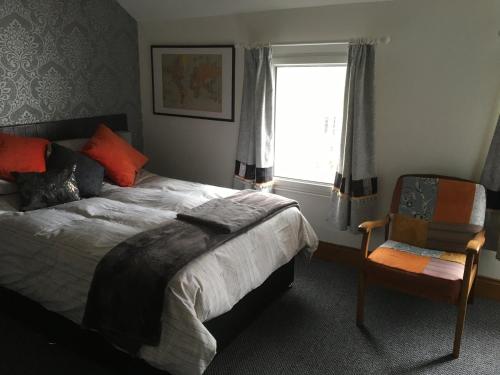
(50, 255)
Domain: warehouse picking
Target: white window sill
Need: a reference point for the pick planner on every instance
(301, 186)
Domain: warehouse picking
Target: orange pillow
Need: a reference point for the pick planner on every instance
(21, 154)
(121, 161)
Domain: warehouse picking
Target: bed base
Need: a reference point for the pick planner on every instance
(60, 330)
(227, 326)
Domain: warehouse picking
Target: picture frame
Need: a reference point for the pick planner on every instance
(195, 81)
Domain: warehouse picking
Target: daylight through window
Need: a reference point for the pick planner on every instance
(308, 121)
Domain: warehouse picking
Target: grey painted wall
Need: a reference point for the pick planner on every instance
(62, 59)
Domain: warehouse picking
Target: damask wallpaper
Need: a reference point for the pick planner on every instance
(62, 59)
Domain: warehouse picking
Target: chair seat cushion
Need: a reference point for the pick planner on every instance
(424, 272)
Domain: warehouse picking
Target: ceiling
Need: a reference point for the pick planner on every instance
(156, 10)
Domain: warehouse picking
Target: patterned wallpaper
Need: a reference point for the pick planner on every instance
(62, 59)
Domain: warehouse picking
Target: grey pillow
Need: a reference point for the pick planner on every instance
(89, 173)
(40, 190)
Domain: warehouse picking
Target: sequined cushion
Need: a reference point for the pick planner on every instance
(89, 173)
(39, 190)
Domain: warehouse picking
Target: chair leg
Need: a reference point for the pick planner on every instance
(462, 304)
(462, 310)
(470, 301)
(360, 314)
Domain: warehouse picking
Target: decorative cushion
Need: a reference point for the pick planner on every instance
(425, 272)
(21, 154)
(89, 174)
(39, 190)
(121, 161)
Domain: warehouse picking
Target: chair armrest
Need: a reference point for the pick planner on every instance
(368, 226)
(473, 248)
(476, 243)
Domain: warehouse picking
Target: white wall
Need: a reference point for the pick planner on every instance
(437, 89)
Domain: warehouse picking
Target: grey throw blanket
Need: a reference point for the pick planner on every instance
(229, 215)
(125, 300)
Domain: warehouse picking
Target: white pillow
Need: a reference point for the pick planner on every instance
(126, 135)
(7, 187)
(76, 144)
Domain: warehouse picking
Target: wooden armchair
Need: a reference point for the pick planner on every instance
(433, 237)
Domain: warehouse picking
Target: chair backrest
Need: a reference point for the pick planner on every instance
(437, 212)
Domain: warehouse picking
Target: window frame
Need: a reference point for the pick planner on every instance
(296, 184)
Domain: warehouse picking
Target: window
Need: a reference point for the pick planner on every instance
(308, 121)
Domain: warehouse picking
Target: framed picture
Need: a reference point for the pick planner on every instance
(193, 81)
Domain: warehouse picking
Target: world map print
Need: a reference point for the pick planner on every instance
(63, 59)
(192, 81)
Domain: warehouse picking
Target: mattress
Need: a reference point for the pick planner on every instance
(50, 255)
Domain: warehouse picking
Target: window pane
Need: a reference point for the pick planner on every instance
(309, 109)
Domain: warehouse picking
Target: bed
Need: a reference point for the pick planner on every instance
(50, 255)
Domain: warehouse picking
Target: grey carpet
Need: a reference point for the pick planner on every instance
(309, 330)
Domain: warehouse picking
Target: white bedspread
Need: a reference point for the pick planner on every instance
(50, 255)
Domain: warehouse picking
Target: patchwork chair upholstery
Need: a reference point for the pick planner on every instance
(434, 233)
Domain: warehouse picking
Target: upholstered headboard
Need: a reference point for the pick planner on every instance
(67, 129)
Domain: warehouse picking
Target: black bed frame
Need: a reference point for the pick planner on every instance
(224, 327)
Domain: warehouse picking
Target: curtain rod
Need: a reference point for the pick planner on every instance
(381, 40)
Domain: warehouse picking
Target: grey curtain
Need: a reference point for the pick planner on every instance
(255, 153)
(490, 178)
(353, 197)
